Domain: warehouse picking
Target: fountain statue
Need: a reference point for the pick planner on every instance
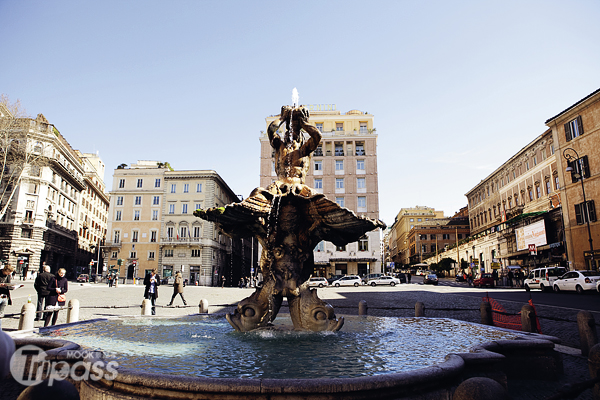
(289, 219)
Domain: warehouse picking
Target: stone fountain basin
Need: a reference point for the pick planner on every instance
(501, 359)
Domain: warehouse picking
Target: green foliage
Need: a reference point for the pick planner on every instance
(122, 166)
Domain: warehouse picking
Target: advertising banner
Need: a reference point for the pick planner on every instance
(531, 234)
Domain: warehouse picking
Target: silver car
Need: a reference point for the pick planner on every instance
(578, 281)
(351, 280)
(384, 280)
(318, 281)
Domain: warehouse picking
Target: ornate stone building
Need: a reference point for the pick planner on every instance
(344, 168)
(43, 217)
(576, 133)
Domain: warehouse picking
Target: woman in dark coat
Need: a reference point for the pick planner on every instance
(57, 286)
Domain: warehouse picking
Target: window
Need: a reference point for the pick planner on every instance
(150, 255)
(516, 201)
(360, 149)
(168, 252)
(538, 191)
(134, 236)
(432, 237)
(412, 220)
(132, 254)
(339, 183)
(363, 244)
(26, 233)
(198, 206)
(580, 167)
(460, 235)
(186, 188)
(318, 183)
(117, 236)
(119, 200)
(319, 126)
(363, 127)
(154, 215)
(171, 208)
(156, 200)
(548, 187)
(114, 254)
(530, 189)
(339, 165)
(556, 183)
(509, 205)
(173, 187)
(157, 183)
(183, 231)
(121, 183)
(340, 201)
(153, 236)
(169, 231)
(339, 126)
(318, 151)
(361, 183)
(198, 188)
(318, 165)
(184, 208)
(196, 253)
(585, 212)
(446, 236)
(423, 248)
(196, 231)
(543, 154)
(573, 128)
(340, 248)
(138, 200)
(535, 160)
(339, 150)
(433, 248)
(139, 183)
(360, 165)
(136, 215)
(527, 165)
(362, 204)
(118, 215)
(320, 246)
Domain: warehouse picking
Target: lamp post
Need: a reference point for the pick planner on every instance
(570, 159)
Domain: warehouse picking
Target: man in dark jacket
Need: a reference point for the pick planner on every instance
(152, 282)
(41, 287)
(5, 280)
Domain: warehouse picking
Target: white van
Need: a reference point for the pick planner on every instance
(543, 278)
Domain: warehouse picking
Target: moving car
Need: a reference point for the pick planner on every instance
(350, 280)
(384, 280)
(83, 278)
(579, 281)
(543, 278)
(431, 279)
(317, 281)
(460, 278)
(485, 279)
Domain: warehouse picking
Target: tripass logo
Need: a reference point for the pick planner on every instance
(29, 366)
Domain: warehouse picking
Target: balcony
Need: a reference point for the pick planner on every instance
(28, 221)
(179, 240)
(112, 244)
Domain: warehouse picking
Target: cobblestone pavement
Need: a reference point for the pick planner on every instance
(98, 300)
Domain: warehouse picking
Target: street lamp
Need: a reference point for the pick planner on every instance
(570, 159)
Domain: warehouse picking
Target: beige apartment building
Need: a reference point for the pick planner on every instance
(576, 134)
(344, 168)
(152, 226)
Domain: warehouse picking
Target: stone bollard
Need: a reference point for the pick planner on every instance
(73, 311)
(203, 306)
(480, 388)
(485, 309)
(27, 317)
(587, 331)
(528, 320)
(146, 307)
(419, 309)
(363, 309)
(594, 366)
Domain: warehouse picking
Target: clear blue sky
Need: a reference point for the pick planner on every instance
(456, 87)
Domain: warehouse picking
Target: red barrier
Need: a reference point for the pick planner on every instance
(508, 321)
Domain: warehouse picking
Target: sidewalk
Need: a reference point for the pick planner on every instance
(98, 300)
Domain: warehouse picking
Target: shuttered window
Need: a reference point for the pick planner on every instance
(573, 128)
(585, 212)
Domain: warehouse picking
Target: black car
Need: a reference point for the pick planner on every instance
(431, 279)
(402, 277)
(460, 278)
(334, 278)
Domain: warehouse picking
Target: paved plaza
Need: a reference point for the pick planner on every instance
(99, 300)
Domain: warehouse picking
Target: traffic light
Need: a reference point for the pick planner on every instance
(119, 262)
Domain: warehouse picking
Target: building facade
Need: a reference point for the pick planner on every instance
(43, 216)
(152, 226)
(343, 168)
(576, 132)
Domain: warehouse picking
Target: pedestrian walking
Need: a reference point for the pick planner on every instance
(408, 276)
(177, 288)
(110, 280)
(222, 281)
(5, 279)
(521, 278)
(56, 297)
(152, 282)
(510, 278)
(24, 273)
(495, 277)
(41, 287)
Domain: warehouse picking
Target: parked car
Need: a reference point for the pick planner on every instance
(485, 279)
(543, 278)
(420, 272)
(317, 281)
(402, 277)
(384, 280)
(431, 279)
(371, 276)
(350, 280)
(83, 278)
(167, 281)
(334, 278)
(579, 281)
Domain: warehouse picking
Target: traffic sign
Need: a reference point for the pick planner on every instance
(532, 249)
